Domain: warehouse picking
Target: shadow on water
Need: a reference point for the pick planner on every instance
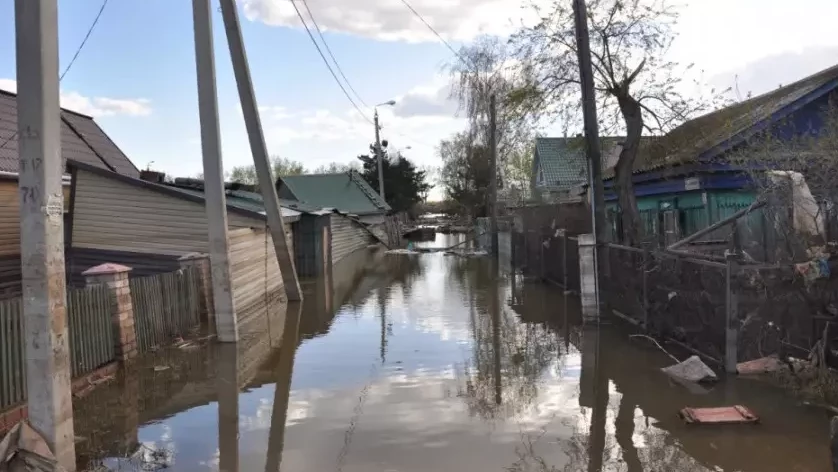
(434, 362)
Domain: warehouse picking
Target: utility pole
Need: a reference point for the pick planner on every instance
(594, 152)
(259, 149)
(493, 174)
(216, 205)
(379, 155)
(589, 112)
(42, 228)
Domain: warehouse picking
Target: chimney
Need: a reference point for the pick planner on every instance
(153, 176)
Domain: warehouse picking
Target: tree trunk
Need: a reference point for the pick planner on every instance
(632, 230)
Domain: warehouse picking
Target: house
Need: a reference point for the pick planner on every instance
(560, 164)
(686, 176)
(346, 192)
(149, 225)
(82, 141)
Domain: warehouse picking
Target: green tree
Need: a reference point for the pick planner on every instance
(518, 168)
(280, 166)
(404, 184)
(465, 173)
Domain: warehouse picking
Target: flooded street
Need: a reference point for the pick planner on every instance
(429, 362)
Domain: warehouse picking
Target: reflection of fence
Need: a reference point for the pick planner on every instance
(553, 257)
(90, 333)
(165, 306)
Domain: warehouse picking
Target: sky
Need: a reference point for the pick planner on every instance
(136, 74)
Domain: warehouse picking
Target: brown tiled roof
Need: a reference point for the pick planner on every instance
(82, 140)
(688, 141)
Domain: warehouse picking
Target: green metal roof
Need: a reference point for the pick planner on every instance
(347, 192)
(562, 160)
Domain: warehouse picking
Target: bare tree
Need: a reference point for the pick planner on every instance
(638, 89)
(280, 166)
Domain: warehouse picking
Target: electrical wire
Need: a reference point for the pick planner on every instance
(73, 60)
(329, 66)
(434, 31)
(329, 50)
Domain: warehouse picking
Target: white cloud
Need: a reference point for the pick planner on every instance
(94, 106)
(391, 20)
(427, 100)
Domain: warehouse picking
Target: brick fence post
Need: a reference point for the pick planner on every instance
(201, 261)
(115, 277)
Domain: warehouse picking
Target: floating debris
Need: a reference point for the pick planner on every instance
(24, 450)
(691, 370)
(737, 414)
(759, 366)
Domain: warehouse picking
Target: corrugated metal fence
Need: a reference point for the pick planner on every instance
(165, 306)
(91, 339)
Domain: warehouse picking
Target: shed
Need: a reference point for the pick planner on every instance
(560, 164)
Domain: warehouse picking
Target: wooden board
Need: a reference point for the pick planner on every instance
(736, 414)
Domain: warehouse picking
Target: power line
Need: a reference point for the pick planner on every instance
(73, 60)
(329, 66)
(329, 50)
(447, 44)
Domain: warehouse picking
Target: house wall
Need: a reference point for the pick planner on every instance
(347, 237)
(115, 216)
(308, 235)
(255, 276)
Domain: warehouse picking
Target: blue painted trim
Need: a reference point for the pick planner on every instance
(766, 123)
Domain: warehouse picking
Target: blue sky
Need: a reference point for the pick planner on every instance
(136, 75)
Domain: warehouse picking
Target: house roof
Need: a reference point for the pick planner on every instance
(347, 192)
(563, 160)
(235, 203)
(82, 140)
(708, 135)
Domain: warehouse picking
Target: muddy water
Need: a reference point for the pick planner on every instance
(441, 363)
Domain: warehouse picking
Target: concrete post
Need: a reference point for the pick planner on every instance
(216, 205)
(42, 228)
(732, 314)
(259, 150)
(201, 262)
(115, 277)
(588, 286)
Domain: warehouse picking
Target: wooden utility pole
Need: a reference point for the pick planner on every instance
(42, 228)
(216, 204)
(589, 112)
(259, 149)
(493, 174)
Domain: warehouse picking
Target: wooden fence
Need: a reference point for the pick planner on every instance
(165, 306)
(90, 334)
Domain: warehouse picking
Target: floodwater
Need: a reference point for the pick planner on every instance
(439, 363)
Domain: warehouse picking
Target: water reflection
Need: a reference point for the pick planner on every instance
(436, 362)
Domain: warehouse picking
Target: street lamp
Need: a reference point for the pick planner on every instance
(378, 154)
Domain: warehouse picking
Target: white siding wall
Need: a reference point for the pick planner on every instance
(347, 237)
(113, 215)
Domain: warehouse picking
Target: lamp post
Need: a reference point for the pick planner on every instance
(378, 154)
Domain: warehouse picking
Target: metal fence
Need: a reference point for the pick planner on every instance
(680, 298)
(90, 335)
(165, 306)
(553, 257)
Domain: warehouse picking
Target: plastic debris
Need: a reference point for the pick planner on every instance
(24, 450)
(401, 251)
(721, 415)
(691, 370)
